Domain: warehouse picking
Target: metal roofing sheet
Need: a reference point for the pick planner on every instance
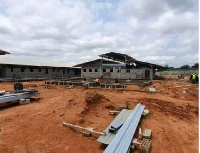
(121, 117)
(121, 142)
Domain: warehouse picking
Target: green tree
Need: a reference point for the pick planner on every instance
(165, 68)
(185, 67)
(196, 65)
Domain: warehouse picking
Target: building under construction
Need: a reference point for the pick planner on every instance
(116, 65)
(111, 65)
(17, 71)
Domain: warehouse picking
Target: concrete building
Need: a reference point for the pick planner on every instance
(119, 66)
(14, 71)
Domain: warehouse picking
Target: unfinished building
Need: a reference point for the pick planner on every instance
(14, 71)
(116, 65)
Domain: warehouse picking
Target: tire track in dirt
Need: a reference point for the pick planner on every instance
(188, 111)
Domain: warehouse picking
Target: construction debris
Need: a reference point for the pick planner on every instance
(114, 112)
(145, 146)
(70, 87)
(22, 94)
(135, 144)
(145, 112)
(154, 90)
(24, 101)
(147, 134)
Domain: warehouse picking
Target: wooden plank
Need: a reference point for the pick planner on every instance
(82, 129)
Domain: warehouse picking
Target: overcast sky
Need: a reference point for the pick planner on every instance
(65, 33)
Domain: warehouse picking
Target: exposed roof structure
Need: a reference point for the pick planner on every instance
(118, 57)
(150, 64)
(96, 62)
(3, 52)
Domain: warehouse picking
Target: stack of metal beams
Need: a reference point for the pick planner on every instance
(17, 96)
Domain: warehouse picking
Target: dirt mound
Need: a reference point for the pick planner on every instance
(92, 99)
(169, 108)
(164, 86)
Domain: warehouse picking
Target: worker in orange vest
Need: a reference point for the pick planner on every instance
(97, 82)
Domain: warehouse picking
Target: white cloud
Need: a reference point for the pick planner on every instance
(65, 33)
(190, 58)
(6, 26)
(159, 59)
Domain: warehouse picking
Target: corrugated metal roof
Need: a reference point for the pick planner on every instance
(122, 140)
(121, 117)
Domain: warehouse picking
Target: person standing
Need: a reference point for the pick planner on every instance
(97, 82)
(193, 78)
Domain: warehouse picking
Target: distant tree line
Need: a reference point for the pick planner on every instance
(183, 67)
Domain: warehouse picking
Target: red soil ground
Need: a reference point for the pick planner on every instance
(37, 127)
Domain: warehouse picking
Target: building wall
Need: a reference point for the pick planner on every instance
(120, 73)
(16, 73)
